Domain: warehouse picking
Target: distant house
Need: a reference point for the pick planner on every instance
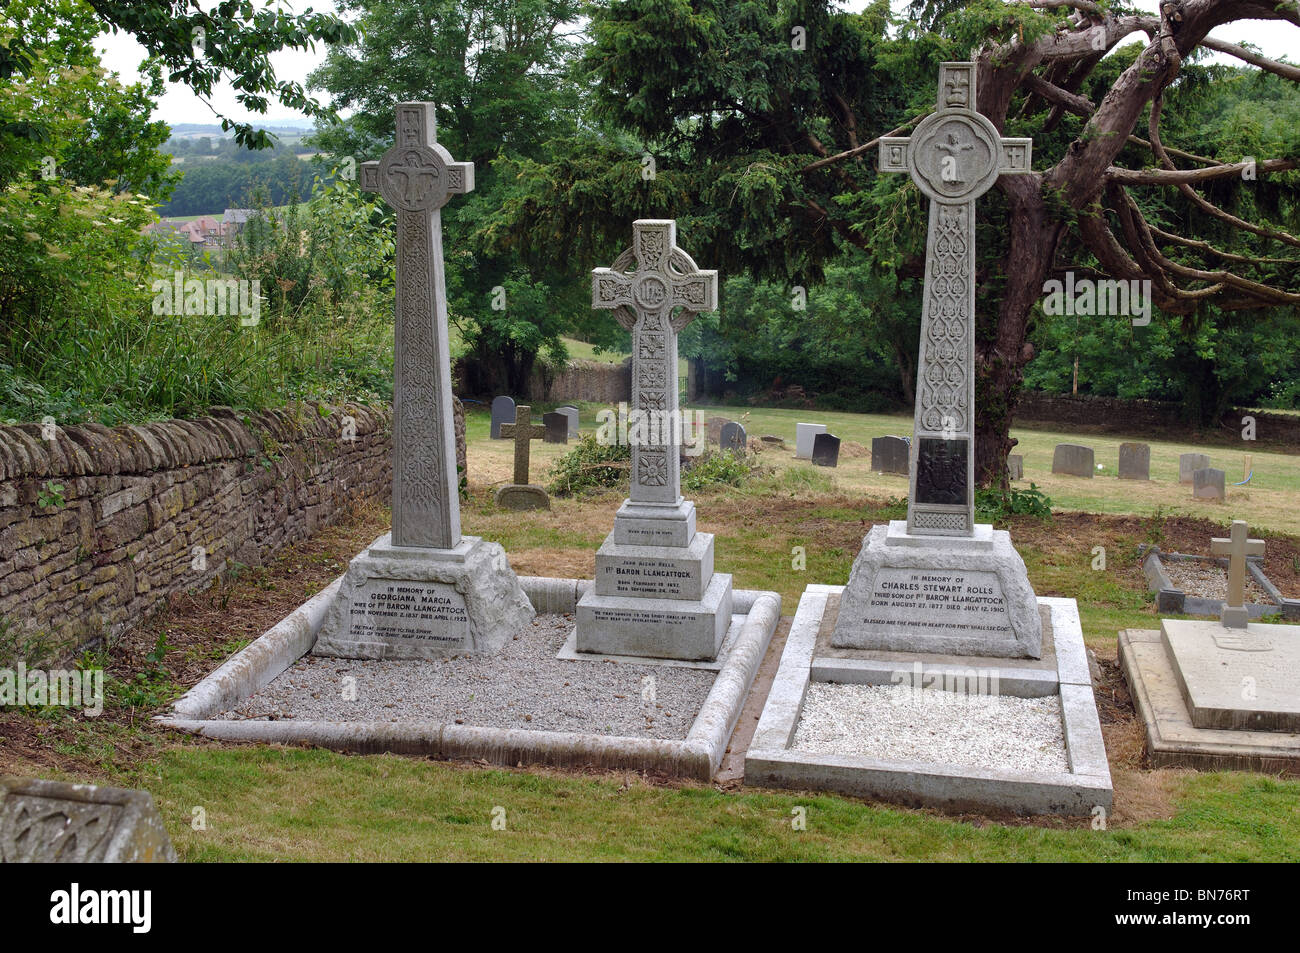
(234, 220)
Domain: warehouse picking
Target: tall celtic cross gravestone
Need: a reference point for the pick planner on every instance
(954, 156)
(939, 582)
(423, 590)
(655, 592)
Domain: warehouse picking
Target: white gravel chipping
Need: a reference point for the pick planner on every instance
(896, 722)
(525, 686)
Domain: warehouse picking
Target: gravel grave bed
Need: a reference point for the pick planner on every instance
(1209, 581)
(525, 686)
(898, 722)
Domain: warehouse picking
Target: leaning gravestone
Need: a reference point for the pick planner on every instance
(826, 450)
(889, 454)
(803, 439)
(55, 822)
(1015, 466)
(733, 437)
(1073, 459)
(1208, 484)
(557, 427)
(422, 590)
(572, 414)
(655, 592)
(1189, 463)
(503, 412)
(1134, 461)
(940, 582)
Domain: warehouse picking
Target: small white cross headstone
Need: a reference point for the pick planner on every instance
(417, 177)
(1236, 547)
(954, 156)
(665, 277)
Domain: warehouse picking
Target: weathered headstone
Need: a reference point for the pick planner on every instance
(423, 590)
(889, 454)
(503, 412)
(572, 414)
(826, 450)
(1073, 459)
(1015, 466)
(1189, 463)
(733, 437)
(1134, 461)
(940, 583)
(1208, 484)
(521, 494)
(715, 425)
(55, 822)
(803, 439)
(655, 592)
(557, 427)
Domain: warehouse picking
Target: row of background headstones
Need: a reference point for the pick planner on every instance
(561, 425)
(1207, 482)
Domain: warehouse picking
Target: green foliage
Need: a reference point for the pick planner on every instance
(591, 466)
(18, 643)
(993, 505)
(716, 468)
(51, 495)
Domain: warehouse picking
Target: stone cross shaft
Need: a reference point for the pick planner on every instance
(643, 287)
(416, 177)
(523, 430)
(954, 156)
(1236, 547)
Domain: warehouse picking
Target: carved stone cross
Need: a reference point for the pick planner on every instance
(523, 430)
(1236, 547)
(416, 177)
(954, 156)
(643, 299)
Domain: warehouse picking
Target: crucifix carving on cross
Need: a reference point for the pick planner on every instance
(417, 177)
(643, 299)
(954, 156)
(522, 430)
(1236, 547)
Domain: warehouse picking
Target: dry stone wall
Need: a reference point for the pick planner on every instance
(98, 525)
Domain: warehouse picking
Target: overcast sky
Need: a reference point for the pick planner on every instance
(122, 54)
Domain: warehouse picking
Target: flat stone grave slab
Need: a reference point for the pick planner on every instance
(1198, 585)
(1134, 461)
(1237, 678)
(1157, 679)
(958, 733)
(529, 704)
(1189, 463)
(1073, 459)
(557, 427)
(803, 439)
(56, 822)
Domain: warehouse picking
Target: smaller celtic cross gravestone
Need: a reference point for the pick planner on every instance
(417, 177)
(1236, 547)
(643, 299)
(954, 156)
(522, 431)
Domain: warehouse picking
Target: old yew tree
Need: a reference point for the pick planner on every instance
(756, 125)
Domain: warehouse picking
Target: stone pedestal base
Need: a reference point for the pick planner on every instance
(949, 595)
(691, 630)
(656, 594)
(399, 602)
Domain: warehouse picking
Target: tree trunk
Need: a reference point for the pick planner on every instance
(1000, 350)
